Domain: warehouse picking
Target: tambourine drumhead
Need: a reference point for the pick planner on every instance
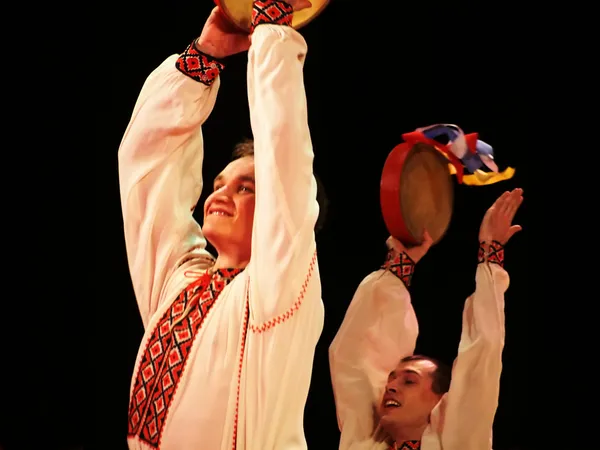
(416, 193)
(239, 12)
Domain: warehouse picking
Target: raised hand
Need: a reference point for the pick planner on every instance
(220, 38)
(416, 252)
(497, 222)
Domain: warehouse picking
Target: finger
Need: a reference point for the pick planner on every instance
(513, 207)
(301, 4)
(507, 202)
(501, 201)
(389, 242)
(512, 230)
(394, 243)
(513, 202)
(427, 239)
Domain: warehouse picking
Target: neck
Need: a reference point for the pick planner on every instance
(230, 261)
(408, 433)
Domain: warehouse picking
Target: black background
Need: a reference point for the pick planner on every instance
(374, 71)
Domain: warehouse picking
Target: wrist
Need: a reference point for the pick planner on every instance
(208, 48)
(199, 65)
(491, 251)
(275, 12)
(401, 265)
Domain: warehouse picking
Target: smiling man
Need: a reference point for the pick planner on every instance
(229, 209)
(412, 390)
(227, 353)
(385, 396)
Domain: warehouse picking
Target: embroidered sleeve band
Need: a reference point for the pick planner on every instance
(199, 66)
(271, 11)
(401, 265)
(493, 253)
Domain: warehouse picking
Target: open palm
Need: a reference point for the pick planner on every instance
(497, 222)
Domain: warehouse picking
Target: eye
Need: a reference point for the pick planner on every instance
(243, 188)
(217, 187)
(408, 381)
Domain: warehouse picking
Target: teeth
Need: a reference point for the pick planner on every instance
(218, 213)
(392, 403)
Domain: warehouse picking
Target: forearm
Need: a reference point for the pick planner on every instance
(283, 244)
(279, 117)
(379, 328)
(160, 172)
(473, 396)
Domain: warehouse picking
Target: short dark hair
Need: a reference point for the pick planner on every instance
(442, 375)
(243, 148)
(246, 148)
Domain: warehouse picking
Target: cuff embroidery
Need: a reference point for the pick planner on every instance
(495, 253)
(401, 265)
(271, 11)
(199, 66)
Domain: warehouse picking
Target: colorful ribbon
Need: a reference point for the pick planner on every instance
(463, 151)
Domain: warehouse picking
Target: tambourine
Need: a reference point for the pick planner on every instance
(239, 12)
(416, 193)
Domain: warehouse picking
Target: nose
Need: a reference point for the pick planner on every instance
(224, 190)
(390, 388)
(221, 195)
(224, 193)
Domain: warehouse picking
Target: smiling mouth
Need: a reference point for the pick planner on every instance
(219, 213)
(391, 404)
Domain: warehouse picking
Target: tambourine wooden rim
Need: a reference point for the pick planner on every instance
(397, 197)
(239, 13)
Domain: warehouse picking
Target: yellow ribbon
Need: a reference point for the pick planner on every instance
(481, 178)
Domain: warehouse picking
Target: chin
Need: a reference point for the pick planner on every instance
(384, 429)
(385, 419)
(213, 235)
(390, 420)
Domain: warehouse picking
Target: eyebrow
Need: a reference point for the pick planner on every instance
(241, 178)
(404, 371)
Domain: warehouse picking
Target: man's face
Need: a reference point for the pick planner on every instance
(229, 210)
(408, 398)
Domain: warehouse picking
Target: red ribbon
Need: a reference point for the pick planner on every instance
(415, 137)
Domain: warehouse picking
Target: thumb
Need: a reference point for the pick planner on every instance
(512, 230)
(395, 244)
(427, 240)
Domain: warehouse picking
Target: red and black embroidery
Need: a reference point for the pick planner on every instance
(406, 445)
(271, 11)
(495, 253)
(401, 265)
(166, 353)
(409, 445)
(481, 253)
(199, 66)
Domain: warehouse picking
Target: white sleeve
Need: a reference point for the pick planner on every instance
(283, 239)
(160, 175)
(471, 402)
(379, 328)
(285, 308)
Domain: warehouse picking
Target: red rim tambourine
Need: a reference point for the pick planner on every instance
(416, 190)
(239, 12)
(416, 193)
